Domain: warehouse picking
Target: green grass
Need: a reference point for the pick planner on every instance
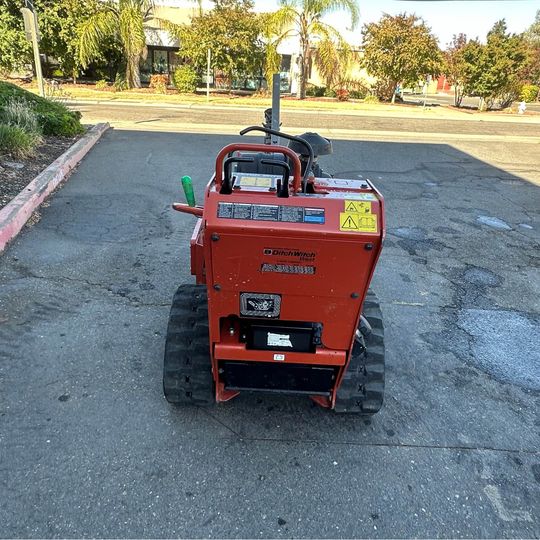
(18, 142)
(53, 117)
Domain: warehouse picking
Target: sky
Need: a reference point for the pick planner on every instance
(445, 17)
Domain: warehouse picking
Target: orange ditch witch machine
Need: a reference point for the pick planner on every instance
(283, 256)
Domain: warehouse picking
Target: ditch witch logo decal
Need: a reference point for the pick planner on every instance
(260, 305)
(290, 253)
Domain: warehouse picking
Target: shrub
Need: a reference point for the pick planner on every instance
(358, 93)
(120, 83)
(315, 91)
(529, 93)
(102, 84)
(159, 83)
(329, 92)
(54, 118)
(19, 113)
(64, 124)
(185, 79)
(342, 94)
(18, 142)
(371, 99)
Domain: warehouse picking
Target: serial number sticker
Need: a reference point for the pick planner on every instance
(288, 268)
(357, 207)
(357, 222)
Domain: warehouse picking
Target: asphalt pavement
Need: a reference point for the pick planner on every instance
(90, 448)
(351, 123)
(448, 99)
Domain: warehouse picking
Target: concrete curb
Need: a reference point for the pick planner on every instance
(16, 213)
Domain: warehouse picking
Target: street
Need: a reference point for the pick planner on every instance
(404, 123)
(448, 99)
(90, 448)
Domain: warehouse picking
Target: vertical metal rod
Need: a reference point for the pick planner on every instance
(31, 27)
(208, 58)
(276, 88)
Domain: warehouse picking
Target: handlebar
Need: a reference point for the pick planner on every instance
(268, 149)
(311, 155)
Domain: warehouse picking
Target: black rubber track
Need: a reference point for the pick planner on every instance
(362, 387)
(187, 371)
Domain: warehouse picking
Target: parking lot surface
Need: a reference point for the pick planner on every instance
(90, 448)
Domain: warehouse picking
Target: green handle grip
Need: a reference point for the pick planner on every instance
(187, 184)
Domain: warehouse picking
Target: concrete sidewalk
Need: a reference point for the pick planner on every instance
(90, 448)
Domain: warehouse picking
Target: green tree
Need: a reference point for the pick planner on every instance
(400, 50)
(333, 59)
(233, 33)
(59, 22)
(494, 69)
(15, 50)
(122, 20)
(303, 19)
(455, 67)
(531, 73)
(533, 32)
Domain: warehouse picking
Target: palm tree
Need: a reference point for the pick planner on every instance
(333, 58)
(303, 18)
(123, 20)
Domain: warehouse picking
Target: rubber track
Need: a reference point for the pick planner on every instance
(362, 388)
(187, 370)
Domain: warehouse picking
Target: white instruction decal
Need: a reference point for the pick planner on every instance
(279, 340)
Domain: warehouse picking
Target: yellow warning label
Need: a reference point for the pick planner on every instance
(253, 181)
(263, 182)
(358, 207)
(357, 222)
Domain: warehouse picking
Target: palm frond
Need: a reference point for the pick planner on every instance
(282, 19)
(324, 7)
(93, 31)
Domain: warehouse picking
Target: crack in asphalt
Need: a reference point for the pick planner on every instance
(478, 448)
(387, 445)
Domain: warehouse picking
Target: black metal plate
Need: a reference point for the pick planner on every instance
(278, 377)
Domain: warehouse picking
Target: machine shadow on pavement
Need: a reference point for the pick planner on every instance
(93, 448)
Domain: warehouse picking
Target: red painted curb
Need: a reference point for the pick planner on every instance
(16, 213)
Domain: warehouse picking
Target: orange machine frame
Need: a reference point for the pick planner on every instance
(228, 256)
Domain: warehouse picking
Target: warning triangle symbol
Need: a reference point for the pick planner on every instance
(351, 207)
(350, 223)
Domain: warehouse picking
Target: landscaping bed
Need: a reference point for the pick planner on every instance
(17, 173)
(33, 132)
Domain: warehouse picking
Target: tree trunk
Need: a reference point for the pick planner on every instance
(304, 69)
(481, 104)
(300, 77)
(133, 78)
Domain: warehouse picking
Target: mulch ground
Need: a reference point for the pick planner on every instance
(16, 174)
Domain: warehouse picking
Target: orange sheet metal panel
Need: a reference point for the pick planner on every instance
(317, 252)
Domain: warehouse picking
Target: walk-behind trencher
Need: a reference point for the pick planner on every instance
(283, 256)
